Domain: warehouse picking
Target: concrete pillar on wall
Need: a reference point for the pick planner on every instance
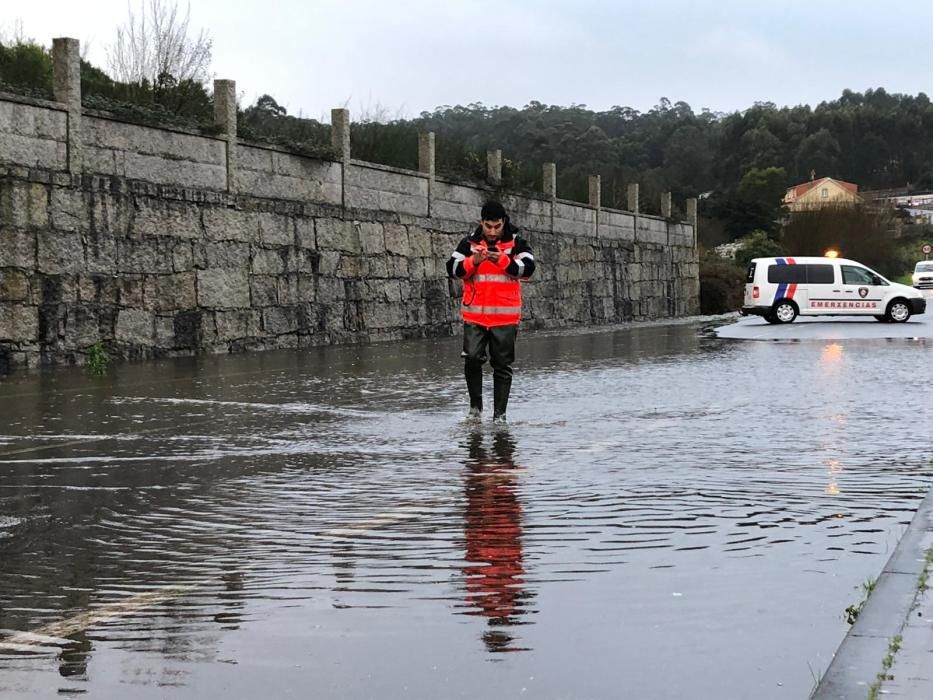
(427, 160)
(666, 205)
(426, 154)
(549, 185)
(340, 133)
(66, 87)
(549, 180)
(494, 167)
(595, 198)
(595, 185)
(692, 218)
(632, 193)
(340, 140)
(225, 118)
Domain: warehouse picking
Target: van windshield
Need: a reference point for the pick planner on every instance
(924, 267)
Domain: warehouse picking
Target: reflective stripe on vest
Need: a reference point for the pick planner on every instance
(488, 320)
(492, 310)
(492, 278)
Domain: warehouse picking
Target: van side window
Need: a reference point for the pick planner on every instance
(820, 274)
(750, 277)
(856, 275)
(801, 274)
(787, 274)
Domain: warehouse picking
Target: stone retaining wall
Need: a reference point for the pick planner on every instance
(160, 242)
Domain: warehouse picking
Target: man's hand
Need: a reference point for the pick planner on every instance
(478, 255)
(493, 255)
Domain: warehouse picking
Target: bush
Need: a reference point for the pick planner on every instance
(722, 285)
(757, 245)
(26, 68)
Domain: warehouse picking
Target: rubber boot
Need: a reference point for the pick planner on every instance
(473, 371)
(501, 388)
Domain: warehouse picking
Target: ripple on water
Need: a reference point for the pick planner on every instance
(635, 466)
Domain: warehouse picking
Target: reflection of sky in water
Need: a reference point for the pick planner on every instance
(658, 484)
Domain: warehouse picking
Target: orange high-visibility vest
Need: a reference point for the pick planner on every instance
(490, 296)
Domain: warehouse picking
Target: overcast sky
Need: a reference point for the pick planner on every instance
(405, 56)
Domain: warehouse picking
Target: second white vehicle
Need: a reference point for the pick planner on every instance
(780, 289)
(923, 275)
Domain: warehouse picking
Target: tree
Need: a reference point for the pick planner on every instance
(755, 205)
(761, 193)
(866, 235)
(741, 215)
(26, 65)
(156, 64)
(269, 121)
(267, 104)
(757, 245)
(767, 185)
(819, 152)
(688, 159)
(925, 181)
(155, 47)
(760, 149)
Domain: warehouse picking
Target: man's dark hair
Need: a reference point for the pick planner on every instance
(492, 211)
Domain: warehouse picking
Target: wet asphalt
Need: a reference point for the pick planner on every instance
(672, 512)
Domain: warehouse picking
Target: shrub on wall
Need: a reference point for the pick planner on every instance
(26, 69)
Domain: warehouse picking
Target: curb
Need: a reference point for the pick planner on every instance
(858, 660)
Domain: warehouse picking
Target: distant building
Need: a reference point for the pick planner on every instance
(920, 215)
(816, 194)
(922, 200)
(917, 206)
(728, 250)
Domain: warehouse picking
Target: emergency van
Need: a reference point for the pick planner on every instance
(780, 289)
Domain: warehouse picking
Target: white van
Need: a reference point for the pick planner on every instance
(780, 289)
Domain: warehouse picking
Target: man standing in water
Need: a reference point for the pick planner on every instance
(491, 262)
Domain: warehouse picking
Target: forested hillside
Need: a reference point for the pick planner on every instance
(874, 139)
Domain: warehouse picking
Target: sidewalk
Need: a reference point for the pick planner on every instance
(888, 652)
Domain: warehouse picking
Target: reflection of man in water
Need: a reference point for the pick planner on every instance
(493, 532)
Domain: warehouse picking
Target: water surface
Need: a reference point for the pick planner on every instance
(668, 515)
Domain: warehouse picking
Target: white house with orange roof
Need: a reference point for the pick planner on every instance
(820, 193)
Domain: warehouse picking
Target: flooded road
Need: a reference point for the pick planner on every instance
(669, 515)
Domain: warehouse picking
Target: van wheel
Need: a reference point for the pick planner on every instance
(898, 311)
(883, 319)
(784, 311)
(770, 318)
